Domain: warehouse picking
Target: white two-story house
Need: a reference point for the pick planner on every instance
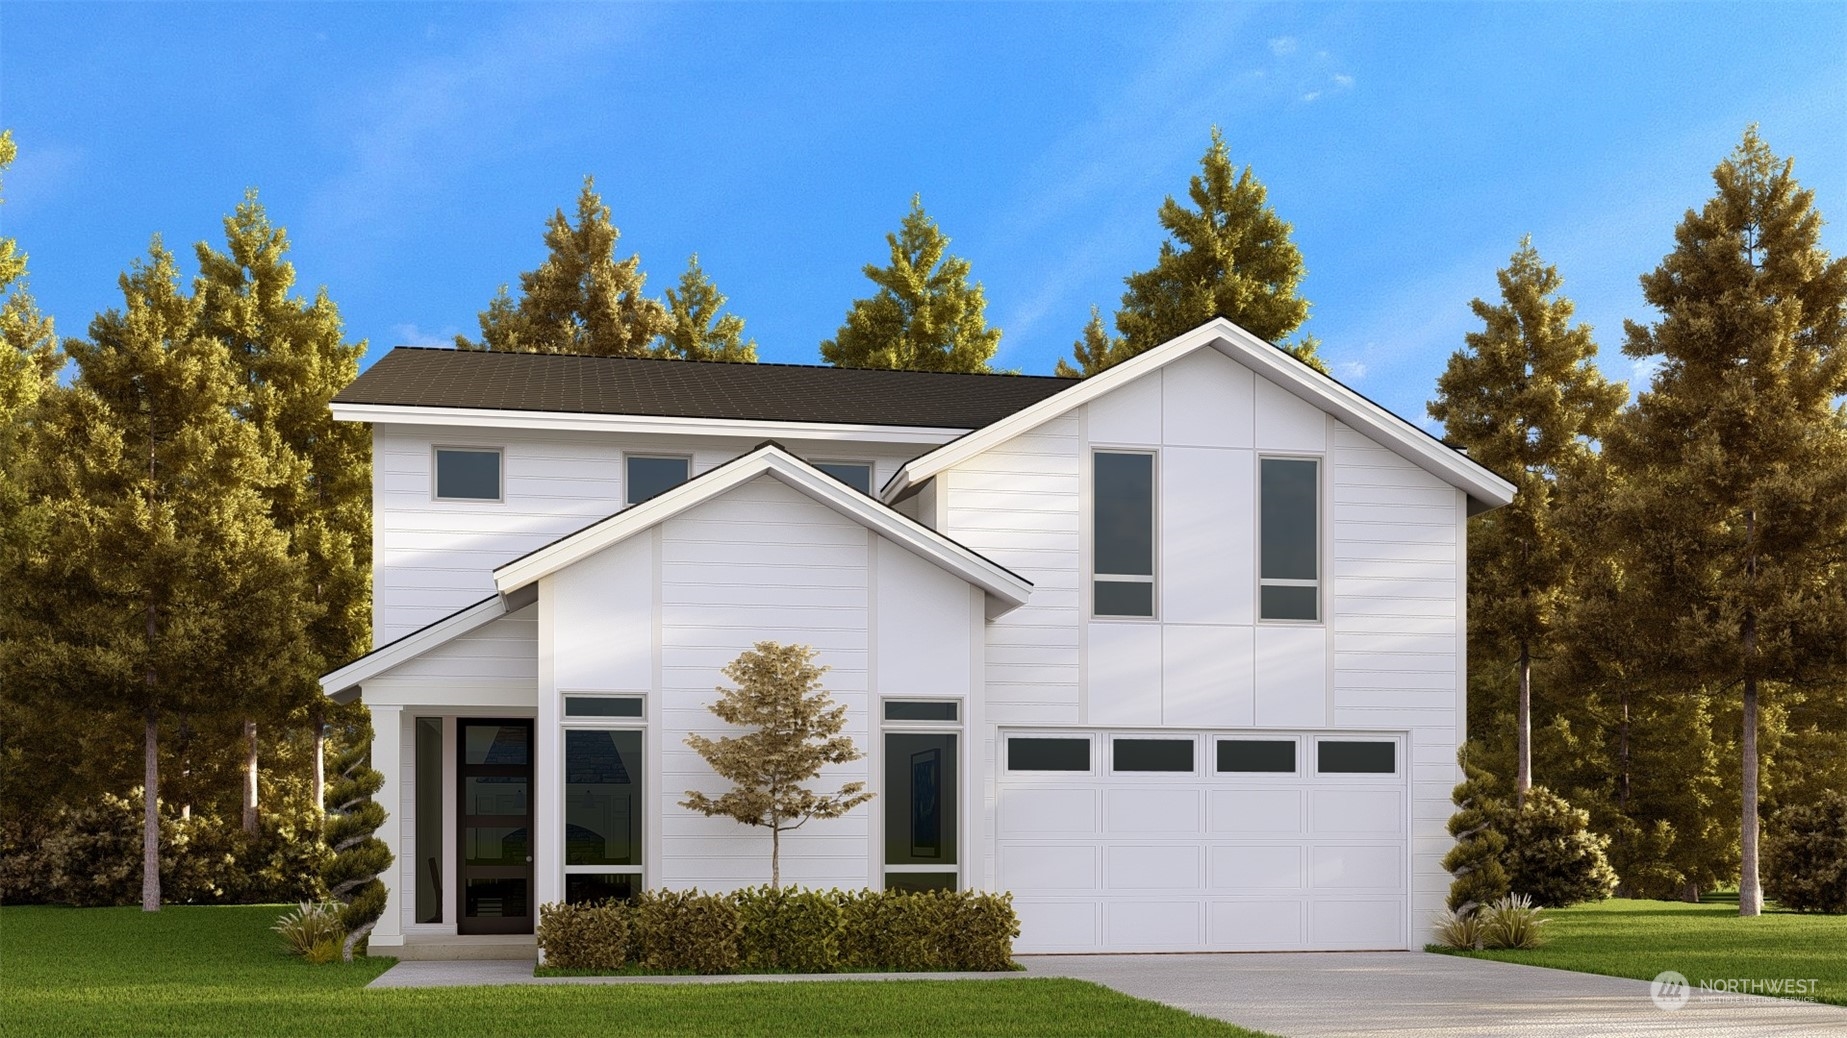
(1175, 654)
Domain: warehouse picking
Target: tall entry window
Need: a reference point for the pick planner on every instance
(922, 846)
(1122, 490)
(495, 775)
(429, 821)
(1289, 529)
(602, 813)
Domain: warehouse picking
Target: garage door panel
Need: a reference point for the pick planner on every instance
(1356, 811)
(1135, 924)
(1256, 811)
(1131, 867)
(1357, 866)
(1050, 867)
(1256, 868)
(1031, 809)
(1354, 924)
(1151, 810)
(1060, 925)
(1270, 924)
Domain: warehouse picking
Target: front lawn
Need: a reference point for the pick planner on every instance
(218, 971)
(1709, 941)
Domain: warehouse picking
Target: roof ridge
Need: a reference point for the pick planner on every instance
(727, 363)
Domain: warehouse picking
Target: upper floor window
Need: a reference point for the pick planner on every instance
(649, 477)
(856, 474)
(467, 474)
(1122, 488)
(1289, 530)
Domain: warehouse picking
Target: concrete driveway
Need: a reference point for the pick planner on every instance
(1353, 994)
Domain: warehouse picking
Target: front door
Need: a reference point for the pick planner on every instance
(495, 801)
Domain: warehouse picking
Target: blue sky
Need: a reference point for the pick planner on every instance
(414, 150)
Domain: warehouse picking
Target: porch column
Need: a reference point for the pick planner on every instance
(547, 769)
(389, 758)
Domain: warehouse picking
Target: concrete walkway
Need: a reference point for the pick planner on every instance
(1354, 994)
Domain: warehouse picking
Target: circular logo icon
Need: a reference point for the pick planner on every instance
(1670, 990)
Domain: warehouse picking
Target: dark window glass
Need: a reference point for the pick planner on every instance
(918, 881)
(495, 744)
(495, 899)
(495, 845)
(468, 475)
(1256, 755)
(920, 799)
(1356, 758)
(1288, 519)
(1124, 598)
(602, 706)
(579, 887)
(1152, 754)
(857, 476)
(602, 798)
(429, 819)
(1290, 603)
(1028, 754)
(650, 477)
(1124, 506)
(902, 711)
(494, 795)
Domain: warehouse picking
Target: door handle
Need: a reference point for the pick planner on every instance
(528, 859)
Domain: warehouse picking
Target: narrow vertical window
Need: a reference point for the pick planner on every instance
(1122, 488)
(1289, 524)
(429, 820)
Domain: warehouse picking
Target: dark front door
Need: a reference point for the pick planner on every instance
(495, 801)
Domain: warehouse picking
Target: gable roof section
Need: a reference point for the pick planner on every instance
(1005, 589)
(340, 683)
(421, 377)
(1486, 490)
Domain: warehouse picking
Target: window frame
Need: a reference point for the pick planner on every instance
(1398, 759)
(624, 724)
(1087, 737)
(1319, 584)
(628, 485)
(1153, 577)
(872, 472)
(500, 472)
(1192, 738)
(957, 776)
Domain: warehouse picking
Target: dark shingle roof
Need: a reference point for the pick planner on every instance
(423, 377)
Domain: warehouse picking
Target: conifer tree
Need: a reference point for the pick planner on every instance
(1525, 398)
(582, 299)
(698, 327)
(161, 582)
(1230, 256)
(925, 315)
(353, 818)
(1096, 350)
(1733, 510)
(1475, 860)
(793, 729)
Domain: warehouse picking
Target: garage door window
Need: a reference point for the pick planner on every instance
(1133, 755)
(1356, 758)
(1245, 756)
(1040, 754)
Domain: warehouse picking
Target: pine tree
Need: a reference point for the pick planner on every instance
(1526, 400)
(1231, 256)
(925, 315)
(1475, 860)
(793, 730)
(1734, 505)
(1096, 350)
(698, 327)
(582, 299)
(353, 818)
(290, 357)
(161, 583)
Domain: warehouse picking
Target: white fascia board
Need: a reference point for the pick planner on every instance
(649, 425)
(397, 653)
(1006, 590)
(1485, 489)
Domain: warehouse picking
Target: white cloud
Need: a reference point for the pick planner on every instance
(411, 335)
(1311, 97)
(1283, 46)
(1343, 81)
(1350, 371)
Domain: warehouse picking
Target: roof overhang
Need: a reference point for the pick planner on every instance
(1485, 489)
(651, 425)
(342, 685)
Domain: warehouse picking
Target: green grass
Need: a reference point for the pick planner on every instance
(1708, 941)
(218, 971)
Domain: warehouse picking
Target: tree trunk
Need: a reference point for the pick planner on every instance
(1523, 780)
(320, 766)
(250, 777)
(1689, 892)
(150, 795)
(775, 856)
(1750, 890)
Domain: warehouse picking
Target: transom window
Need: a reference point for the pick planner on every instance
(651, 476)
(467, 474)
(1122, 488)
(856, 474)
(1289, 525)
(922, 710)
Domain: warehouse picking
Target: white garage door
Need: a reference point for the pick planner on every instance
(1209, 841)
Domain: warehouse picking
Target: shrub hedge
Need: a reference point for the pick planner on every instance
(784, 930)
(1805, 855)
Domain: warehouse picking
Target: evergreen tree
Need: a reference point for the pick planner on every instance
(1525, 398)
(925, 315)
(793, 729)
(1475, 860)
(1230, 256)
(161, 582)
(698, 327)
(1096, 350)
(290, 357)
(582, 299)
(353, 818)
(1733, 510)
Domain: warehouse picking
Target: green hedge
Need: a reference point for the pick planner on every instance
(760, 929)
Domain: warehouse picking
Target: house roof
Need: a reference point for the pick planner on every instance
(413, 376)
(341, 683)
(1485, 489)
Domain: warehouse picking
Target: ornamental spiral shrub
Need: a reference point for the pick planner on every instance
(1475, 860)
(359, 856)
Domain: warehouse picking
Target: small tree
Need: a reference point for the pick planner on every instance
(794, 730)
(359, 856)
(1475, 860)
(1805, 857)
(1552, 856)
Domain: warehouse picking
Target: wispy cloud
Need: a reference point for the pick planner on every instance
(411, 335)
(1283, 46)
